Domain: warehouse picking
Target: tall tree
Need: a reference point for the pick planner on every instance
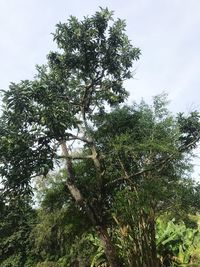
(146, 156)
(145, 176)
(61, 115)
(94, 57)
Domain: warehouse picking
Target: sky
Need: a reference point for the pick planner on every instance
(166, 31)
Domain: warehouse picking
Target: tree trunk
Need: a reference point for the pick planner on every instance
(74, 190)
(153, 241)
(109, 248)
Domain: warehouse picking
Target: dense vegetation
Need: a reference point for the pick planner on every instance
(111, 182)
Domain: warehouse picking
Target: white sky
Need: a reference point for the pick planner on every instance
(167, 32)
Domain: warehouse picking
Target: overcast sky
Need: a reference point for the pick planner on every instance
(167, 32)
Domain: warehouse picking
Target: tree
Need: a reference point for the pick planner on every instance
(17, 218)
(112, 159)
(132, 199)
(94, 57)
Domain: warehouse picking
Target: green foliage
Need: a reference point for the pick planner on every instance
(87, 71)
(17, 218)
(123, 168)
(62, 236)
(177, 243)
(60, 221)
(123, 139)
(47, 264)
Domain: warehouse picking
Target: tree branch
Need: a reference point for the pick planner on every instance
(76, 137)
(75, 157)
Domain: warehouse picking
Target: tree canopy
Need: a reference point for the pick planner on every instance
(121, 167)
